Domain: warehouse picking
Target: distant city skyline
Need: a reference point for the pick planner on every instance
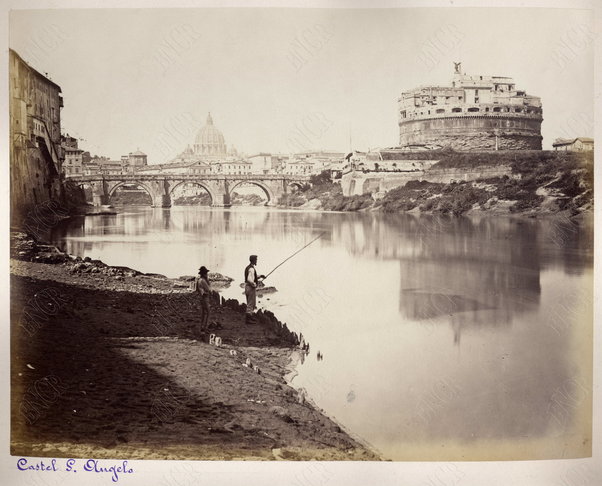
(288, 80)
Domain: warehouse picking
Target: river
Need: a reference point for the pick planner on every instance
(441, 338)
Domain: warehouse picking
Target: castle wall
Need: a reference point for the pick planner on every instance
(358, 183)
(473, 132)
(476, 113)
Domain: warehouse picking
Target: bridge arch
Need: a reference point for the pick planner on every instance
(266, 189)
(297, 185)
(148, 190)
(88, 189)
(212, 195)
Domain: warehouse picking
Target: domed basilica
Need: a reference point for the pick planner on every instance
(209, 140)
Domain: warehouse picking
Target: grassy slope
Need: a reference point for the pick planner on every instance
(542, 181)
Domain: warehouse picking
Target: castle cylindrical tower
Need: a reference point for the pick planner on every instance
(475, 113)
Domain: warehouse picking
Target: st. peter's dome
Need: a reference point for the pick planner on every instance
(209, 140)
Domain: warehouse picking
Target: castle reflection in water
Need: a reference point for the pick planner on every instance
(468, 272)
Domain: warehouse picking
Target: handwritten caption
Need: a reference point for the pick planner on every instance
(72, 465)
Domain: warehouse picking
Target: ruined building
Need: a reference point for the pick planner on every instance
(474, 113)
(35, 140)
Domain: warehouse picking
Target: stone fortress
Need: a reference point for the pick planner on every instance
(474, 113)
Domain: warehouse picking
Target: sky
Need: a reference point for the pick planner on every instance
(286, 80)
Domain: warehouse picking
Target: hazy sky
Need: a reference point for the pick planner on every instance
(291, 79)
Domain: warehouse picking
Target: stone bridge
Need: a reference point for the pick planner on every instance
(161, 186)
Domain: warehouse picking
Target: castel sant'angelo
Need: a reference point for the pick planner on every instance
(474, 113)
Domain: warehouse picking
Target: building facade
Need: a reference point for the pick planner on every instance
(263, 163)
(192, 168)
(579, 144)
(233, 167)
(474, 113)
(73, 164)
(134, 161)
(36, 154)
(73, 161)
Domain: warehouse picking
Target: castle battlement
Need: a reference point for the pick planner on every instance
(474, 113)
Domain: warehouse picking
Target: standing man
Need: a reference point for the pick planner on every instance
(251, 282)
(203, 287)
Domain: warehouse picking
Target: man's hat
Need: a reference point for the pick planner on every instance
(203, 269)
(253, 257)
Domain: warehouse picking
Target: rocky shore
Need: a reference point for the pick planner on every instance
(106, 363)
(539, 183)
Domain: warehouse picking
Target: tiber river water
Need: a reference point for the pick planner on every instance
(442, 338)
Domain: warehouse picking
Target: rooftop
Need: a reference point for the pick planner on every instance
(569, 141)
(35, 71)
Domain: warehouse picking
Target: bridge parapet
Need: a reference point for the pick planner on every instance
(161, 186)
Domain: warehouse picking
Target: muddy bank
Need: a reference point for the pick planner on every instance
(107, 363)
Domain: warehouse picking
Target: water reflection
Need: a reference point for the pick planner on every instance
(442, 329)
(472, 272)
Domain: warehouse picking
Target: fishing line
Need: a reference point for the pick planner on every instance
(299, 250)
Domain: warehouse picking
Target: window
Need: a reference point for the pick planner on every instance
(456, 110)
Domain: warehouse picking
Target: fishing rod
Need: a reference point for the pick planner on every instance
(299, 250)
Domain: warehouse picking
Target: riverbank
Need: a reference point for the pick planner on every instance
(538, 183)
(105, 363)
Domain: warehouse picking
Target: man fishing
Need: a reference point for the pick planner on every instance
(251, 282)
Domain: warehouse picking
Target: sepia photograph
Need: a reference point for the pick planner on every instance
(277, 233)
